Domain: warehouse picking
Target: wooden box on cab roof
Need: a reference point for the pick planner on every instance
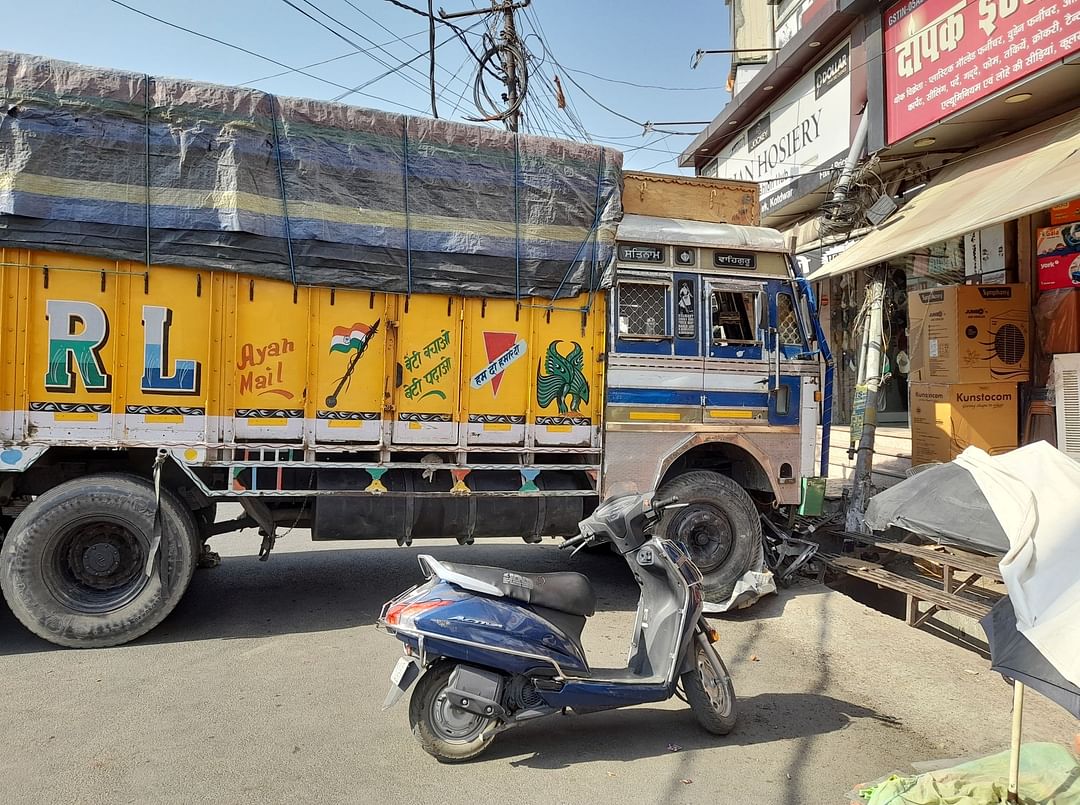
(695, 198)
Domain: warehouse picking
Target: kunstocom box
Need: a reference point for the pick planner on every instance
(947, 418)
(970, 334)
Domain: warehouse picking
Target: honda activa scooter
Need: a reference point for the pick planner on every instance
(494, 648)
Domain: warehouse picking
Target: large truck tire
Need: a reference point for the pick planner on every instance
(720, 528)
(72, 567)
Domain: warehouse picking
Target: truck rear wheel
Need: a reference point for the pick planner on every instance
(720, 528)
(72, 568)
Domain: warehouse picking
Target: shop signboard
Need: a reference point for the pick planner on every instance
(942, 56)
(792, 15)
(792, 147)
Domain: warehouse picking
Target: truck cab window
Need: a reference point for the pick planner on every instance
(735, 317)
(643, 310)
(787, 321)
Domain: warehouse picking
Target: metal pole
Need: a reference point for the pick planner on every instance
(860, 491)
(857, 145)
(1014, 751)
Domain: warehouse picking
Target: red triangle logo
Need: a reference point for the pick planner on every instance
(495, 344)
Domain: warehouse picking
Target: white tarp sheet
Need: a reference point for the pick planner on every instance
(1035, 493)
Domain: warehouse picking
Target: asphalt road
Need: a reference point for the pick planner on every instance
(266, 685)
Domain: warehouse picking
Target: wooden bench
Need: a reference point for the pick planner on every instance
(952, 560)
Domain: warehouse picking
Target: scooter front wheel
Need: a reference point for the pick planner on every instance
(710, 692)
(447, 733)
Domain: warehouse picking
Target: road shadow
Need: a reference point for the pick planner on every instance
(303, 591)
(640, 733)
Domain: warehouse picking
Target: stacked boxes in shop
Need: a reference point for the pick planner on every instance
(970, 350)
(1057, 313)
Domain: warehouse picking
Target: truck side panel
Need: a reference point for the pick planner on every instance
(105, 353)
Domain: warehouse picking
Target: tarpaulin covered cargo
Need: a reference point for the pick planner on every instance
(134, 167)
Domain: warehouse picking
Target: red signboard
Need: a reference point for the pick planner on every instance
(944, 55)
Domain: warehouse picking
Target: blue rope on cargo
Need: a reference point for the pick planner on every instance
(596, 222)
(281, 184)
(408, 226)
(593, 231)
(517, 221)
(146, 112)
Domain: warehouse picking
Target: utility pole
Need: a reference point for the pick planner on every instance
(509, 35)
(508, 49)
(874, 350)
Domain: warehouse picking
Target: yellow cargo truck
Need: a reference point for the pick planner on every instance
(443, 393)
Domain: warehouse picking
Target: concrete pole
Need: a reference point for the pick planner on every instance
(875, 351)
(510, 37)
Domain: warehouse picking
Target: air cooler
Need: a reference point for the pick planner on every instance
(1067, 403)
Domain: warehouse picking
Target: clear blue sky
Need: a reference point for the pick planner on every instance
(640, 41)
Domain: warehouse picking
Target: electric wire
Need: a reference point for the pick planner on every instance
(642, 86)
(431, 22)
(265, 58)
(533, 18)
(391, 71)
(447, 23)
(332, 59)
(347, 40)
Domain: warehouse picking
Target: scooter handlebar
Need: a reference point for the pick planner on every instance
(580, 539)
(658, 506)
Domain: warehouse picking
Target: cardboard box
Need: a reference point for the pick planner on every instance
(970, 334)
(1057, 239)
(947, 418)
(1059, 271)
(1065, 213)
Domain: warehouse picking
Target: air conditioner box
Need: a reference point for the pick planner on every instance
(970, 334)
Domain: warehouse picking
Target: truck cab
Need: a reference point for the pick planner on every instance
(715, 374)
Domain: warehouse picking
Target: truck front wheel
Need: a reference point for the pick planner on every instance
(719, 526)
(73, 565)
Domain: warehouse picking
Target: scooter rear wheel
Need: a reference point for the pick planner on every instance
(710, 692)
(447, 733)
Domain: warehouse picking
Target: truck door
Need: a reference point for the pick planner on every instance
(750, 333)
(789, 353)
(735, 343)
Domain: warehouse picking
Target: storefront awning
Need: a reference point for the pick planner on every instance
(1036, 169)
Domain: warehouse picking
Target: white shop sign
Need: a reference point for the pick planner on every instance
(792, 147)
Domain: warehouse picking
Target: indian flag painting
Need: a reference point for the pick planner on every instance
(350, 339)
(346, 339)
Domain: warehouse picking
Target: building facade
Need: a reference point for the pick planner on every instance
(921, 142)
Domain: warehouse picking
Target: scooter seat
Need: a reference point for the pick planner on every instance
(566, 591)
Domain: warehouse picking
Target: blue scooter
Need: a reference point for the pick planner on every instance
(494, 648)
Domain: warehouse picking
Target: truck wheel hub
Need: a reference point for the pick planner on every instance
(101, 559)
(707, 534)
(98, 567)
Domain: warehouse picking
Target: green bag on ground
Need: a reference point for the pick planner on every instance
(1048, 774)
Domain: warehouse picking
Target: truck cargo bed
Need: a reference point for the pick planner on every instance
(109, 353)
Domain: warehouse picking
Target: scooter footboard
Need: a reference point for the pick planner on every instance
(584, 695)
